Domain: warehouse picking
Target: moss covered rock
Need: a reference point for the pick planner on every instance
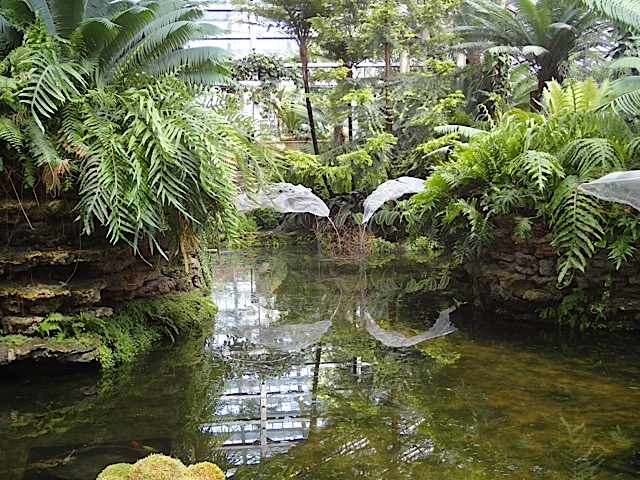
(203, 471)
(117, 471)
(158, 467)
(161, 467)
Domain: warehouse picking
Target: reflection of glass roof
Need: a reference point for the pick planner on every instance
(272, 401)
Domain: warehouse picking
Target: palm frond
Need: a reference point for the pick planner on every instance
(98, 32)
(205, 59)
(624, 97)
(17, 13)
(130, 22)
(626, 62)
(623, 11)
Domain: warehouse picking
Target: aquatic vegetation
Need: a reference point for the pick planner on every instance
(135, 327)
(161, 467)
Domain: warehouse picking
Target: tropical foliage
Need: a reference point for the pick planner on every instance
(123, 38)
(117, 124)
(528, 168)
(625, 92)
(542, 34)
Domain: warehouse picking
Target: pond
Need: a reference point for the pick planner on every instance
(316, 371)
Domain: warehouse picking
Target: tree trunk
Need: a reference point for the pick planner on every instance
(387, 87)
(304, 59)
(350, 117)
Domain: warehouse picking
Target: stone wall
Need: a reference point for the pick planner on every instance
(46, 266)
(519, 278)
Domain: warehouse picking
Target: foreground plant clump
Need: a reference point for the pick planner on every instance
(161, 467)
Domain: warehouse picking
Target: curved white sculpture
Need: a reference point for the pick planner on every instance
(284, 197)
(621, 187)
(390, 190)
(443, 326)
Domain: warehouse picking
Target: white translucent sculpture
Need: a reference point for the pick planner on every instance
(390, 190)
(621, 187)
(283, 197)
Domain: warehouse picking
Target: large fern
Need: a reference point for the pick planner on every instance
(166, 155)
(530, 165)
(538, 167)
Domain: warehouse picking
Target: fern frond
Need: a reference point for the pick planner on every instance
(522, 227)
(51, 83)
(577, 223)
(537, 167)
(621, 250)
(10, 133)
(591, 156)
(462, 130)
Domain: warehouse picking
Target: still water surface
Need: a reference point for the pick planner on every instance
(309, 374)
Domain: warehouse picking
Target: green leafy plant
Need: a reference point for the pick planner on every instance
(529, 165)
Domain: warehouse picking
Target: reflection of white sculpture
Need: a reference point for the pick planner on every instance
(621, 187)
(285, 197)
(443, 326)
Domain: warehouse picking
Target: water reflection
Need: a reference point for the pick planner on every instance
(295, 382)
(289, 332)
(331, 366)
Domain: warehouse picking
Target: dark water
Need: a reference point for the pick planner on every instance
(296, 382)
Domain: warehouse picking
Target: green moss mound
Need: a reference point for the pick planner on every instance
(203, 471)
(161, 467)
(117, 471)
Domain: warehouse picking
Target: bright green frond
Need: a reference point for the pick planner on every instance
(592, 157)
(10, 133)
(537, 167)
(624, 11)
(577, 224)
